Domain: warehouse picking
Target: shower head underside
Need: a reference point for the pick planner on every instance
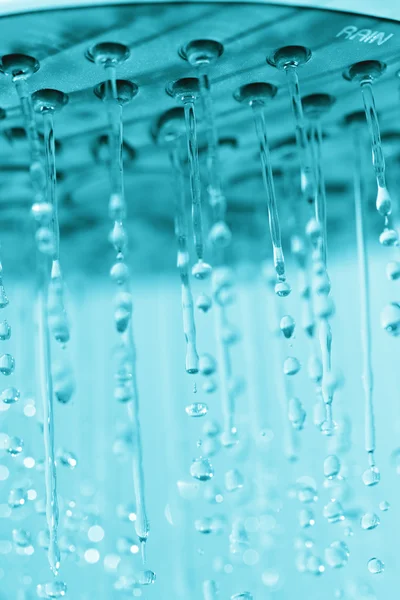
(155, 35)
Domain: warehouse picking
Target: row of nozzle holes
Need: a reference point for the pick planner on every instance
(201, 54)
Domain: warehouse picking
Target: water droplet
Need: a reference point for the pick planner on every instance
(321, 283)
(209, 386)
(384, 505)
(204, 303)
(337, 555)
(307, 494)
(197, 409)
(390, 318)
(201, 469)
(393, 270)
(328, 427)
(230, 335)
(54, 589)
(42, 212)
(370, 521)
(43, 539)
(315, 566)
(211, 446)
(376, 566)
(306, 518)
(14, 446)
(291, 366)
(17, 497)
(314, 368)
(10, 395)
(7, 364)
(371, 476)
(116, 207)
(389, 237)
(331, 466)
(383, 201)
(233, 480)
(333, 511)
(230, 438)
(67, 459)
(123, 393)
(287, 326)
(45, 240)
(118, 237)
(242, 596)
(211, 428)
(323, 306)
(201, 270)
(203, 525)
(119, 272)
(296, 412)
(207, 364)
(21, 538)
(5, 330)
(282, 289)
(220, 234)
(313, 230)
(3, 297)
(123, 311)
(146, 577)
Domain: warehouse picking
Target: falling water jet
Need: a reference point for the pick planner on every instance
(187, 91)
(365, 73)
(203, 54)
(169, 130)
(21, 67)
(46, 391)
(315, 106)
(115, 93)
(289, 59)
(363, 267)
(47, 102)
(257, 95)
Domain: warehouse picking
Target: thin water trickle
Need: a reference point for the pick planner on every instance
(114, 100)
(282, 287)
(181, 234)
(363, 269)
(383, 199)
(188, 99)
